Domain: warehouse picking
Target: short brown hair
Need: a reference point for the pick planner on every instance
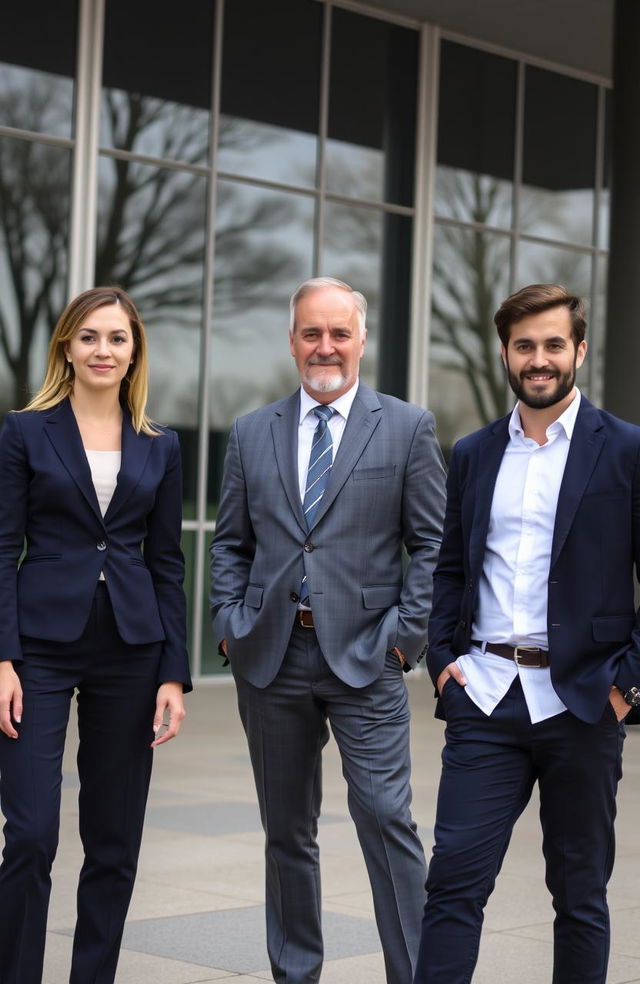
(534, 299)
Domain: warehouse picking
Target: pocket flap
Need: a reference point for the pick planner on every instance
(613, 628)
(379, 471)
(381, 595)
(253, 596)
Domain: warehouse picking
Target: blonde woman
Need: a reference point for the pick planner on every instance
(90, 489)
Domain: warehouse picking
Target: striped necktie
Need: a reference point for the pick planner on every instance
(320, 462)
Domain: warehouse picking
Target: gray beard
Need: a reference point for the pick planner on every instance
(327, 385)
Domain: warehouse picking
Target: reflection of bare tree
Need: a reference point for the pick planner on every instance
(34, 208)
(470, 275)
(151, 222)
(471, 278)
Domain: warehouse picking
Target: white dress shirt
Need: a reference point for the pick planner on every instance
(512, 594)
(309, 422)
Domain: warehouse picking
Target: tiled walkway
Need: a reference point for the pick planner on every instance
(197, 913)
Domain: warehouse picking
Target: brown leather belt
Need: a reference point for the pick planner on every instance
(522, 655)
(305, 618)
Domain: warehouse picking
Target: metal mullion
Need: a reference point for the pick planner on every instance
(597, 328)
(268, 184)
(517, 173)
(118, 153)
(205, 344)
(371, 204)
(422, 252)
(323, 130)
(84, 182)
(33, 136)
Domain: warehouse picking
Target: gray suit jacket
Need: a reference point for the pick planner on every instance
(386, 489)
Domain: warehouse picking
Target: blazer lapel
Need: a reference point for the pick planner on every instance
(135, 451)
(364, 417)
(489, 456)
(586, 444)
(284, 431)
(62, 430)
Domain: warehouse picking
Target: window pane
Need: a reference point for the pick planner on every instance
(34, 191)
(37, 65)
(476, 135)
(271, 89)
(157, 93)
(559, 154)
(467, 385)
(264, 248)
(372, 108)
(371, 251)
(151, 241)
(540, 264)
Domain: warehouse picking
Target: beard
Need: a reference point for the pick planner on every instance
(565, 381)
(327, 384)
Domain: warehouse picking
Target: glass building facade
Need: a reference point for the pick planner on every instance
(209, 165)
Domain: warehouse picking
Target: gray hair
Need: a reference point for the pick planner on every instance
(315, 283)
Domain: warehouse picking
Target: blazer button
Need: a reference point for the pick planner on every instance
(294, 597)
(101, 545)
(308, 547)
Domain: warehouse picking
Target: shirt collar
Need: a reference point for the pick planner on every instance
(566, 421)
(341, 405)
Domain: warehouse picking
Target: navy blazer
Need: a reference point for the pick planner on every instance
(593, 626)
(47, 498)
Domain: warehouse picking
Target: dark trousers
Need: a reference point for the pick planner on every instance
(286, 727)
(116, 698)
(490, 765)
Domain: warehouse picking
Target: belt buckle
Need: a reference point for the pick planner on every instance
(304, 613)
(525, 649)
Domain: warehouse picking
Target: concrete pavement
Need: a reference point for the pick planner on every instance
(197, 914)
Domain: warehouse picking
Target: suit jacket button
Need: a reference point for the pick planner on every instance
(308, 547)
(294, 597)
(101, 545)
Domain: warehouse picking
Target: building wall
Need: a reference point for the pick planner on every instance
(211, 162)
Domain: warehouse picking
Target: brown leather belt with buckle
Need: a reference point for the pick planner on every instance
(530, 656)
(305, 618)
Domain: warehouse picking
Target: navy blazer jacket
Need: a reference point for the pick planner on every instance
(47, 497)
(593, 626)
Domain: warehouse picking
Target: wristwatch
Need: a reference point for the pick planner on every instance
(632, 696)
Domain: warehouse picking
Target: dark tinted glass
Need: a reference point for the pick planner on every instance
(157, 83)
(372, 108)
(559, 156)
(476, 135)
(37, 65)
(271, 89)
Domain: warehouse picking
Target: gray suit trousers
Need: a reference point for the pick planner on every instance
(287, 726)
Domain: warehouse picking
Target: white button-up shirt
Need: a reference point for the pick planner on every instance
(512, 594)
(309, 422)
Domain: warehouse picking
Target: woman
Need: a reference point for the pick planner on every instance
(90, 489)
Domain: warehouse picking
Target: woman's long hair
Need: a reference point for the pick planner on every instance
(59, 377)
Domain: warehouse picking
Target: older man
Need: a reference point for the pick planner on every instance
(319, 616)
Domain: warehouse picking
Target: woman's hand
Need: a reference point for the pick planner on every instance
(10, 698)
(169, 698)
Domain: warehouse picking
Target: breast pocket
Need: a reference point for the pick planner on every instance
(375, 472)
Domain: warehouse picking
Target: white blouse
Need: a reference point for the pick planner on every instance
(104, 466)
